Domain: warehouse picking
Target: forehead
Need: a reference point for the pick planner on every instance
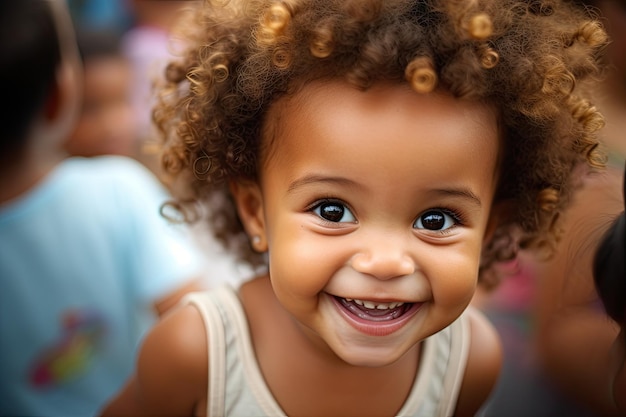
(352, 124)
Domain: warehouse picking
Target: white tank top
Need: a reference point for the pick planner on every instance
(236, 386)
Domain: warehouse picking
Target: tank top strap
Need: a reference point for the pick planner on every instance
(235, 385)
(441, 368)
(216, 340)
(461, 333)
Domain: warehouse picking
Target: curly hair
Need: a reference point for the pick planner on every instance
(534, 60)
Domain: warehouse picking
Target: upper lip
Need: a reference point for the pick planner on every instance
(349, 283)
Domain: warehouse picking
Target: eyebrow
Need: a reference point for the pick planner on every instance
(310, 179)
(462, 192)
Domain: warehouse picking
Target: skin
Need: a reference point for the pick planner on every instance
(378, 155)
(107, 124)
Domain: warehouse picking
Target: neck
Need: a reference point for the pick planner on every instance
(22, 173)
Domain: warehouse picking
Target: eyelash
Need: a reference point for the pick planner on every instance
(458, 217)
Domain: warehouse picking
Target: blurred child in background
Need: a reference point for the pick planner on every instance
(86, 260)
(107, 124)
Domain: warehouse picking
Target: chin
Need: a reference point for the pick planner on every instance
(369, 357)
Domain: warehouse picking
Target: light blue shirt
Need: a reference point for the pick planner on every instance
(83, 257)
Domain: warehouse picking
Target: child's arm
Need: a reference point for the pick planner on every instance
(483, 365)
(171, 373)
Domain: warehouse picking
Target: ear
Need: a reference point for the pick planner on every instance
(63, 103)
(249, 201)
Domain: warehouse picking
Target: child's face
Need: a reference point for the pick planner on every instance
(107, 124)
(380, 196)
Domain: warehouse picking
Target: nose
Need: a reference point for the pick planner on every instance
(384, 259)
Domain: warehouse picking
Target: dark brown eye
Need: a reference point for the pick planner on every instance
(331, 212)
(334, 211)
(434, 220)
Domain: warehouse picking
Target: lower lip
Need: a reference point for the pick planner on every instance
(376, 328)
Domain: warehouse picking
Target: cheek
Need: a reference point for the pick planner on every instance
(454, 276)
(300, 265)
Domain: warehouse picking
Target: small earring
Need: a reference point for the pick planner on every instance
(256, 239)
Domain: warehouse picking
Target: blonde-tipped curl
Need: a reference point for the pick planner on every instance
(480, 26)
(489, 58)
(220, 73)
(281, 58)
(548, 200)
(322, 44)
(277, 18)
(273, 24)
(592, 34)
(421, 75)
(558, 80)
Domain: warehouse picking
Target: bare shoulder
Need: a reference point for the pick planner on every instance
(483, 365)
(171, 374)
(177, 345)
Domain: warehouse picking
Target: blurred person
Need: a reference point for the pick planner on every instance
(107, 124)
(86, 260)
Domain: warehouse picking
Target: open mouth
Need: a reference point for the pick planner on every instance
(375, 311)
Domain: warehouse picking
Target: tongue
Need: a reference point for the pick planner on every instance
(373, 314)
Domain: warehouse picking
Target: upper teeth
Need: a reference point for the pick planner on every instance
(378, 306)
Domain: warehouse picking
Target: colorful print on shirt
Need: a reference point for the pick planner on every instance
(71, 356)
